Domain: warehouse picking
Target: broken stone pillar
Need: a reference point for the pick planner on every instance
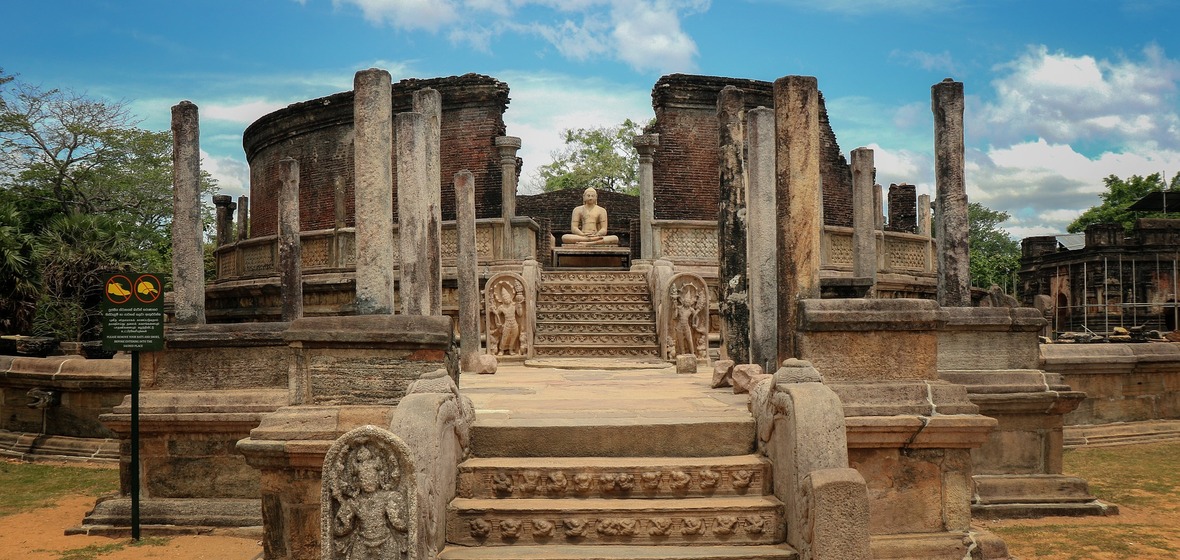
(761, 238)
(880, 356)
(224, 205)
(800, 225)
(508, 145)
(188, 257)
(646, 145)
(428, 102)
(879, 212)
(924, 215)
(903, 212)
(466, 270)
(954, 277)
(290, 259)
(243, 217)
(373, 122)
(732, 303)
(864, 236)
(419, 220)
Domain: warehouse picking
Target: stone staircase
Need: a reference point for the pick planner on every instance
(595, 313)
(534, 498)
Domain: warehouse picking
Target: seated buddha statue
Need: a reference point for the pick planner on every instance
(588, 224)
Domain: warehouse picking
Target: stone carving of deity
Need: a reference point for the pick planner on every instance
(508, 332)
(588, 224)
(689, 317)
(368, 514)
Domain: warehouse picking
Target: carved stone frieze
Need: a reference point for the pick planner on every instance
(559, 484)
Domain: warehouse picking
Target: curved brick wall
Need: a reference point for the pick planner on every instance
(319, 134)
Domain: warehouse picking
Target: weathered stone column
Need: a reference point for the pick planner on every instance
(373, 122)
(418, 218)
(924, 215)
(428, 102)
(762, 238)
(290, 253)
(466, 269)
(954, 277)
(646, 145)
(796, 102)
(732, 303)
(508, 145)
(879, 207)
(224, 212)
(243, 217)
(188, 257)
(864, 235)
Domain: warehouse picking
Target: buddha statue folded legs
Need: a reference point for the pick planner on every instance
(588, 224)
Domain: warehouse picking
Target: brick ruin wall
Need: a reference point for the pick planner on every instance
(319, 134)
(686, 162)
(903, 208)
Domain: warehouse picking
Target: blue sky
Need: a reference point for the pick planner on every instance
(1060, 94)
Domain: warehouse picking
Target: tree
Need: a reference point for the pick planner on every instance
(1118, 196)
(995, 256)
(598, 157)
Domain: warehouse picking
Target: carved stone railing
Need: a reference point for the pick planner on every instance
(332, 250)
(694, 242)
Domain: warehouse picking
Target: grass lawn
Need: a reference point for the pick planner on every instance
(29, 486)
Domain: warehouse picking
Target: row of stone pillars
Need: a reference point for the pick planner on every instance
(771, 206)
(419, 229)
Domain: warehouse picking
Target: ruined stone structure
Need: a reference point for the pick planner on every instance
(1112, 279)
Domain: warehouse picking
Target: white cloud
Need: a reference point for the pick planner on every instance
(232, 174)
(927, 61)
(1065, 98)
(645, 34)
(865, 7)
(244, 112)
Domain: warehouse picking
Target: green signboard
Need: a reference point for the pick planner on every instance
(133, 312)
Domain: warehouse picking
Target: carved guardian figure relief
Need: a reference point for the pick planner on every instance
(368, 501)
(506, 305)
(687, 316)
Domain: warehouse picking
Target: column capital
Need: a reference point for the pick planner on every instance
(646, 144)
(508, 145)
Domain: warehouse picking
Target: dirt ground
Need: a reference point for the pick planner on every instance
(1135, 533)
(40, 535)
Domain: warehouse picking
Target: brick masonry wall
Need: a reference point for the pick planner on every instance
(686, 162)
(903, 208)
(319, 134)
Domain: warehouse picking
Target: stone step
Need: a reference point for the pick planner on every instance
(614, 477)
(623, 552)
(593, 289)
(608, 339)
(612, 437)
(593, 311)
(594, 277)
(747, 520)
(551, 298)
(595, 350)
(577, 327)
(567, 314)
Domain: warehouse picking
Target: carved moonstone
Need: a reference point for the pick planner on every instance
(368, 502)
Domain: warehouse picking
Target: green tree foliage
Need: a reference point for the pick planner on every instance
(1118, 196)
(85, 192)
(995, 256)
(598, 157)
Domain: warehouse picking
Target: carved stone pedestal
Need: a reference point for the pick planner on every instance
(910, 434)
(993, 353)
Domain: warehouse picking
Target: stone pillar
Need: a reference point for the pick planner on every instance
(224, 205)
(761, 238)
(879, 208)
(188, 257)
(924, 215)
(508, 145)
(428, 102)
(733, 297)
(418, 221)
(796, 102)
(466, 270)
(903, 208)
(646, 145)
(373, 122)
(243, 217)
(954, 277)
(290, 253)
(864, 236)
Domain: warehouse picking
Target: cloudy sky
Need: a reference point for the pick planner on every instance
(1060, 94)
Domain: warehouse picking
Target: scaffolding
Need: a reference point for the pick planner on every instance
(1105, 292)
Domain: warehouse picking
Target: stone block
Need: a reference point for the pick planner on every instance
(838, 503)
(745, 376)
(722, 373)
(485, 364)
(686, 363)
